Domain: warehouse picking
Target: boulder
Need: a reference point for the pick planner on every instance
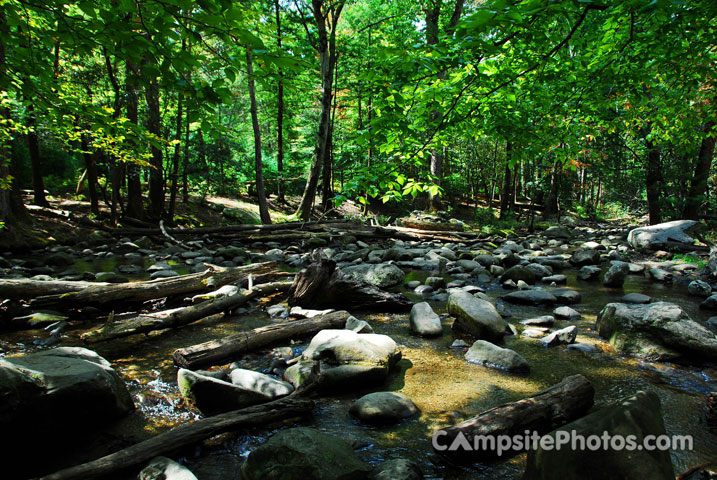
(589, 272)
(710, 303)
(519, 272)
(397, 469)
(585, 256)
(343, 358)
(530, 297)
(564, 336)
(639, 415)
(566, 295)
(238, 215)
(656, 237)
(475, 316)
(557, 231)
(163, 468)
(659, 331)
(383, 408)
(490, 355)
(356, 325)
(544, 321)
(68, 387)
(698, 288)
(566, 313)
(660, 275)
(301, 453)
(424, 321)
(212, 395)
(616, 274)
(381, 275)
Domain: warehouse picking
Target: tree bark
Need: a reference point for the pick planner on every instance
(135, 208)
(279, 110)
(551, 204)
(224, 349)
(149, 290)
(698, 186)
(34, 148)
(178, 317)
(186, 435)
(506, 197)
(156, 173)
(545, 411)
(7, 216)
(261, 194)
(652, 179)
(175, 164)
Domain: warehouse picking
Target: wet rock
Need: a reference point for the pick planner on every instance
(130, 269)
(163, 468)
(659, 331)
(557, 279)
(557, 231)
(423, 290)
(530, 297)
(110, 277)
(566, 313)
(517, 273)
(413, 284)
(589, 272)
(710, 303)
(458, 343)
(435, 282)
(302, 453)
(712, 324)
(582, 347)
(475, 316)
(469, 265)
(358, 326)
(486, 260)
(158, 267)
(655, 237)
(564, 336)
(424, 321)
(213, 396)
(163, 274)
(566, 295)
(639, 415)
(300, 312)
(493, 356)
(59, 259)
(698, 288)
(544, 321)
(660, 275)
(615, 275)
(539, 270)
(278, 311)
(342, 358)
(637, 298)
(397, 469)
(381, 275)
(535, 332)
(585, 256)
(383, 408)
(68, 387)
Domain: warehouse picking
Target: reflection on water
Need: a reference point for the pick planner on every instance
(443, 385)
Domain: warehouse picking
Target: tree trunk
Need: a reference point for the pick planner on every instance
(506, 197)
(551, 204)
(698, 186)
(652, 180)
(34, 148)
(263, 208)
(279, 111)
(545, 411)
(6, 211)
(175, 164)
(135, 209)
(91, 167)
(224, 349)
(156, 174)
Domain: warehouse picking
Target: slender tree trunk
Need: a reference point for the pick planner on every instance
(506, 200)
(156, 183)
(652, 180)
(328, 171)
(91, 167)
(7, 215)
(185, 161)
(34, 148)
(175, 163)
(263, 208)
(279, 111)
(135, 208)
(698, 186)
(551, 204)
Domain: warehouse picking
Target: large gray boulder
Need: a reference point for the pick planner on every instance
(475, 316)
(301, 453)
(655, 237)
(490, 355)
(67, 387)
(380, 275)
(343, 358)
(424, 321)
(638, 416)
(383, 408)
(659, 331)
(616, 275)
(585, 256)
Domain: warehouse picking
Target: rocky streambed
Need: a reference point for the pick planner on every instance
(489, 321)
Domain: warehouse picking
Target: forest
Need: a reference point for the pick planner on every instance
(342, 239)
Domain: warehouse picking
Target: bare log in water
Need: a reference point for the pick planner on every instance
(185, 435)
(212, 278)
(178, 317)
(26, 288)
(321, 286)
(217, 351)
(545, 411)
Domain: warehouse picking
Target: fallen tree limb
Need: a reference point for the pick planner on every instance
(178, 317)
(26, 288)
(217, 351)
(321, 286)
(545, 411)
(214, 277)
(186, 435)
(228, 228)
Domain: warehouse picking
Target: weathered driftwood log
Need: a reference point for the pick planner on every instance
(545, 411)
(321, 286)
(217, 351)
(214, 277)
(228, 228)
(25, 288)
(177, 317)
(185, 435)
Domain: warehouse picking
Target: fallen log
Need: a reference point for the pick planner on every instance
(321, 286)
(26, 289)
(217, 351)
(185, 435)
(228, 228)
(545, 411)
(214, 277)
(178, 317)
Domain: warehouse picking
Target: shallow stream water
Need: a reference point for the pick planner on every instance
(436, 377)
